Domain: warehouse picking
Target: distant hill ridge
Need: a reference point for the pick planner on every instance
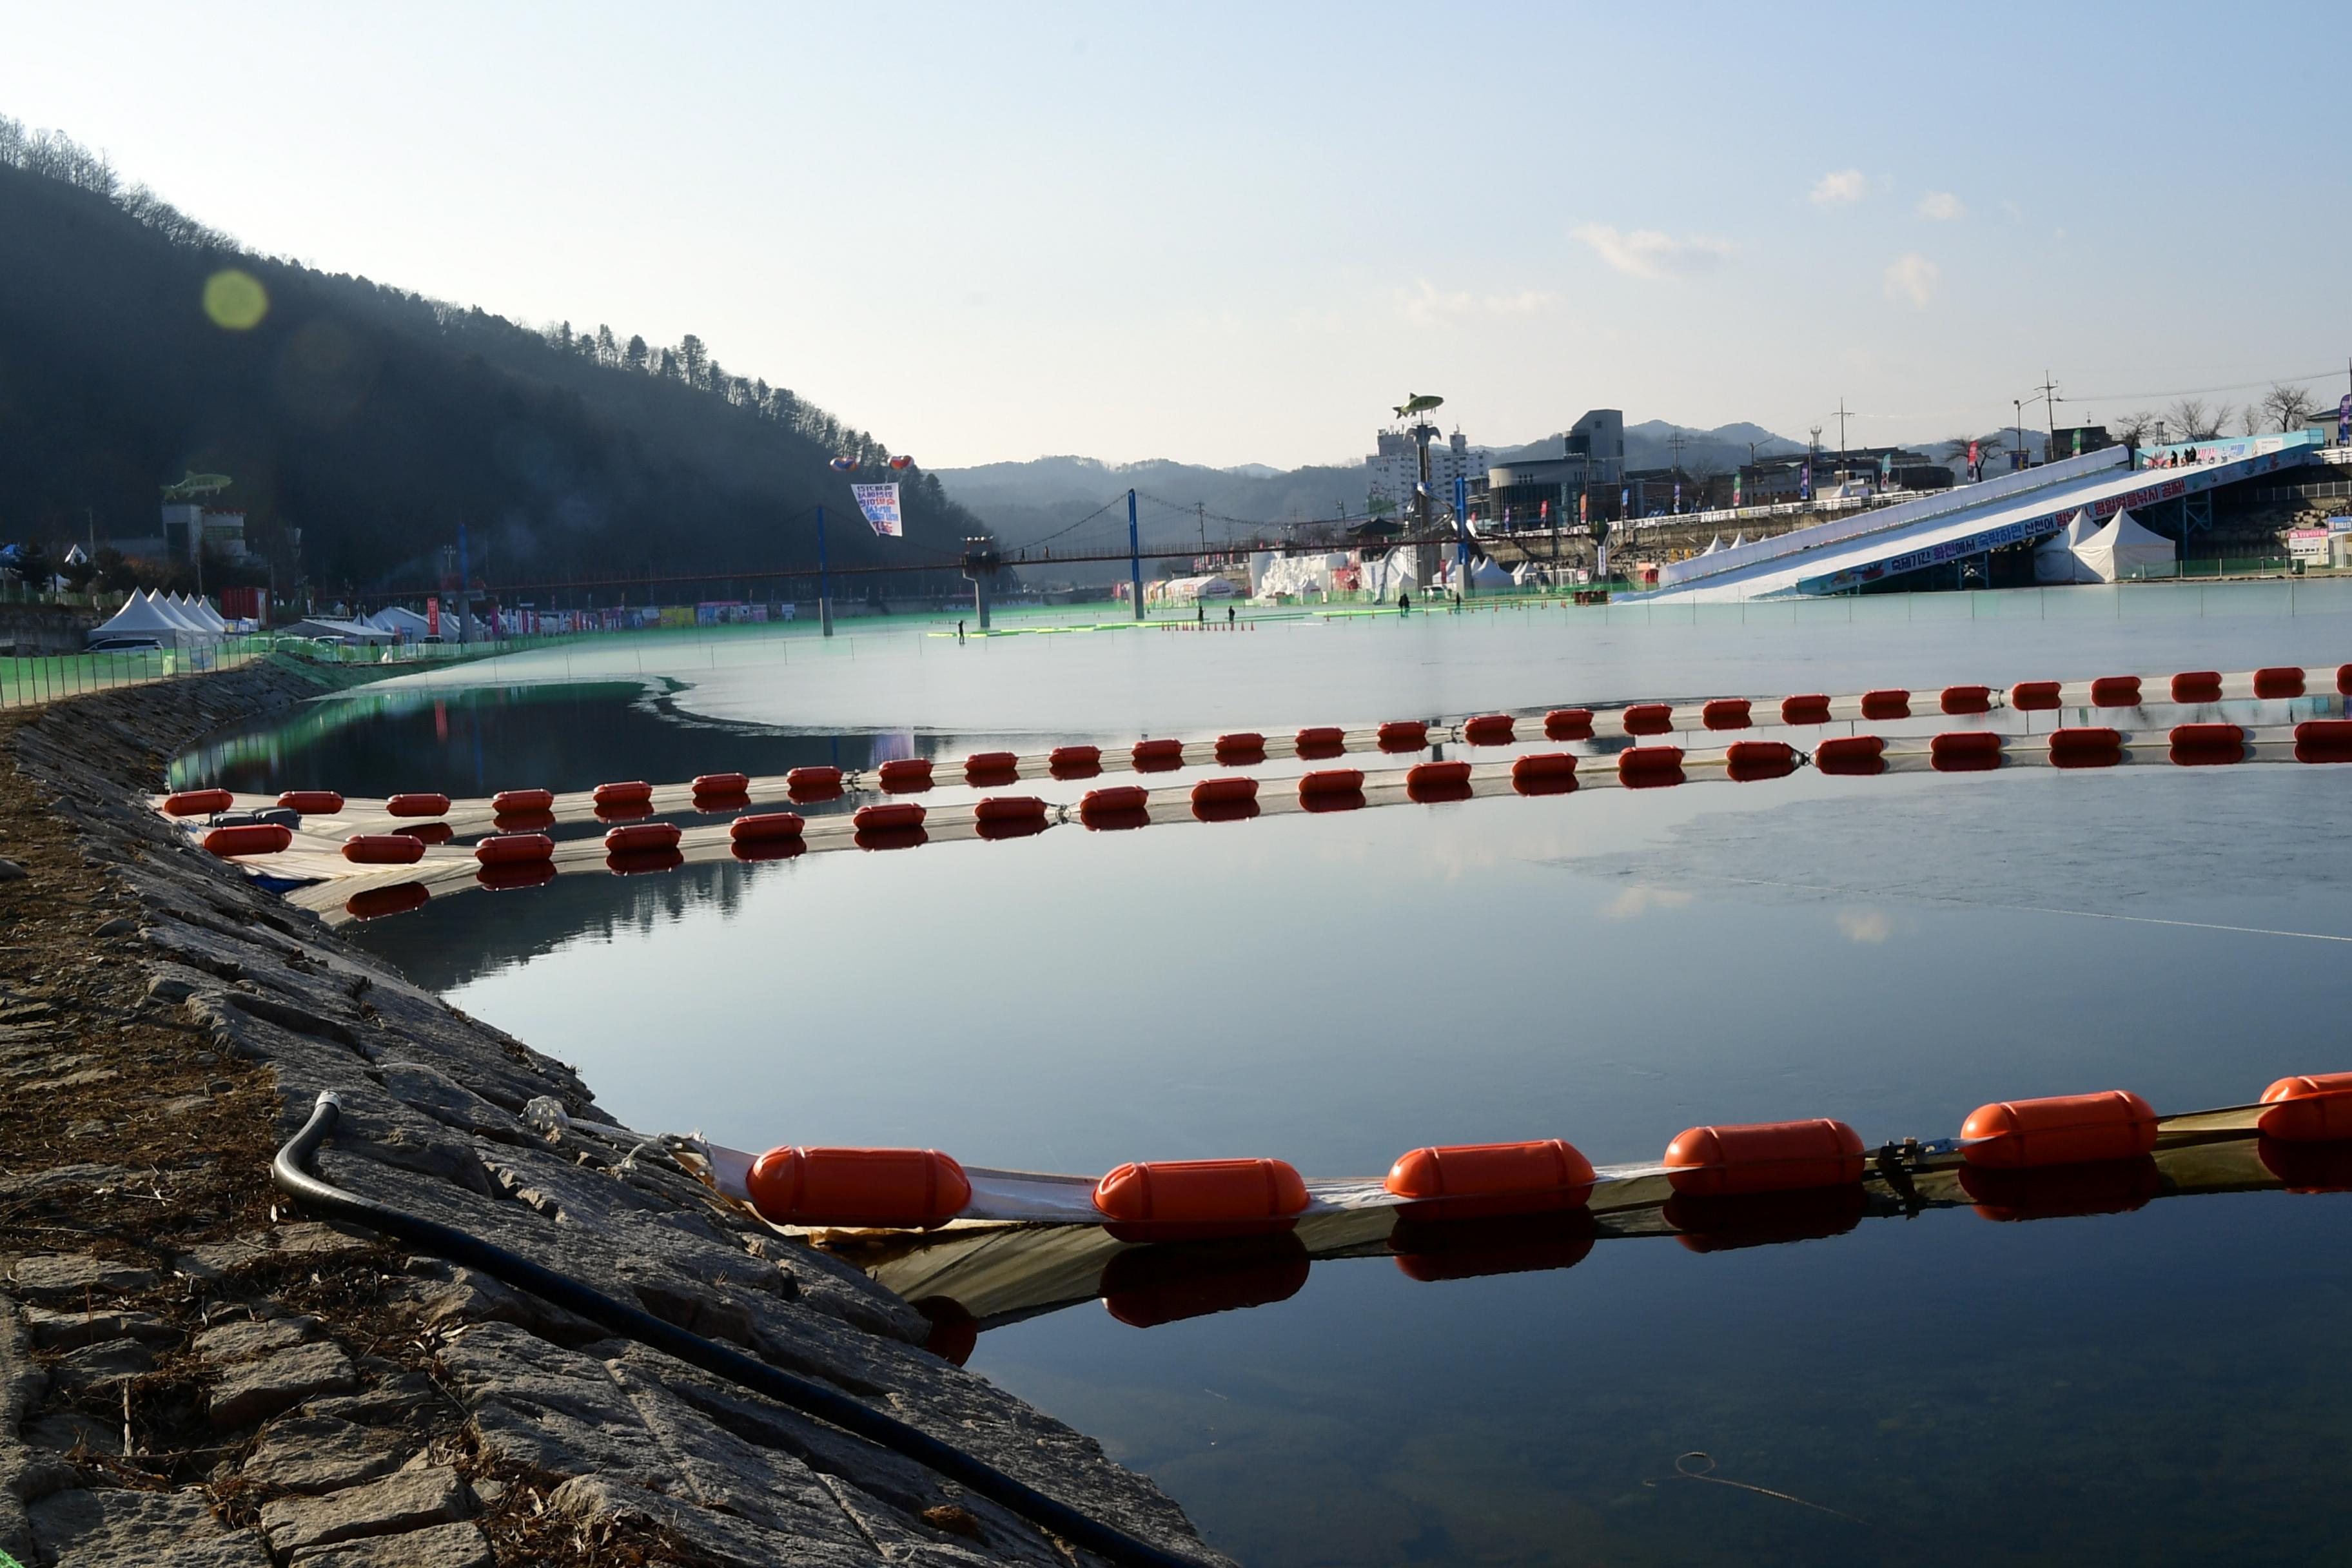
(374, 420)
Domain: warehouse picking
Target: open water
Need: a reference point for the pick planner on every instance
(2164, 1385)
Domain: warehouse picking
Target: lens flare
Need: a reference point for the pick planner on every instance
(235, 300)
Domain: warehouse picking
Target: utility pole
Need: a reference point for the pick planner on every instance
(1675, 444)
(1842, 474)
(824, 586)
(2049, 408)
(1200, 516)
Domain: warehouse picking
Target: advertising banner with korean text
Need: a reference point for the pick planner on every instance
(880, 505)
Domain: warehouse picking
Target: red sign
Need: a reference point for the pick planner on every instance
(433, 618)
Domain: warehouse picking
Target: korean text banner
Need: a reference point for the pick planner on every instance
(880, 505)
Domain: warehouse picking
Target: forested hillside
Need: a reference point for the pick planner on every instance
(374, 421)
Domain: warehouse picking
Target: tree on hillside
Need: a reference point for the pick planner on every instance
(634, 356)
(2250, 420)
(693, 362)
(31, 565)
(2291, 407)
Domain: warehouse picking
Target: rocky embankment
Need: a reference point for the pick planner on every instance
(192, 1374)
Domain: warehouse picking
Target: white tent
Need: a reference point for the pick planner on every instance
(1738, 539)
(142, 617)
(2054, 560)
(1712, 545)
(171, 611)
(201, 612)
(2124, 552)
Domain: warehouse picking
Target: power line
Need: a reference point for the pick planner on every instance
(2197, 391)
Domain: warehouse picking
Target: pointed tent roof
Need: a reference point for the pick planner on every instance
(1738, 539)
(202, 609)
(1712, 545)
(140, 618)
(2125, 550)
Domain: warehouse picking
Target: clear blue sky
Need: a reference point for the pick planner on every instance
(1236, 233)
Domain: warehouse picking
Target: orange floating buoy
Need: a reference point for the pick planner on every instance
(1074, 762)
(654, 836)
(2196, 686)
(514, 848)
(766, 825)
(1649, 719)
(722, 784)
(383, 849)
(1117, 798)
(888, 813)
(1009, 808)
(2060, 1129)
(2278, 682)
(249, 839)
(311, 802)
(1569, 724)
(1810, 709)
(1493, 1178)
(1965, 752)
(1889, 703)
(419, 805)
(520, 874)
(523, 821)
(1747, 761)
(1324, 741)
(2062, 1191)
(1553, 772)
(1726, 713)
(2324, 740)
(1331, 781)
(1404, 735)
(1966, 700)
(905, 775)
(2206, 746)
(2033, 696)
(633, 793)
(2088, 746)
(1763, 1157)
(1236, 750)
(511, 802)
(197, 802)
(911, 1188)
(1437, 775)
(1850, 754)
(1221, 791)
(813, 784)
(2314, 1108)
(2115, 691)
(991, 768)
(1650, 767)
(1156, 756)
(1489, 729)
(1218, 1196)
(1460, 1246)
(375, 903)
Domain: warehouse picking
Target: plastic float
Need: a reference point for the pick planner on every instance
(311, 802)
(197, 802)
(249, 839)
(418, 805)
(905, 775)
(383, 849)
(517, 848)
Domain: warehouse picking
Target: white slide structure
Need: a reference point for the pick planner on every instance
(1847, 552)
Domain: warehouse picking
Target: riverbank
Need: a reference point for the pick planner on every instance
(191, 1373)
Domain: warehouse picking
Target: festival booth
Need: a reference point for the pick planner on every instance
(144, 616)
(2124, 551)
(2054, 560)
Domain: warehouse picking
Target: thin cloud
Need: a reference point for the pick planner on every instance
(1647, 253)
(1914, 278)
(1941, 205)
(1841, 187)
(1425, 302)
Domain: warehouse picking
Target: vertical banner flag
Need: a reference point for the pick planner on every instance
(1678, 497)
(880, 505)
(1736, 501)
(1583, 511)
(433, 618)
(1805, 482)
(1626, 500)
(2078, 443)
(2343, 421)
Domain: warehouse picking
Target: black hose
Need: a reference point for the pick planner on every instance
(291, 1171)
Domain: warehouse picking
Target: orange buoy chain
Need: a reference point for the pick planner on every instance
(903, 824)
(525, 810)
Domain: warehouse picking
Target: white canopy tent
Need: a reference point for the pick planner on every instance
(200, 613)
(2054, 560)
(400, 621)
(144, 617)
(170, 610)
(2124, 551)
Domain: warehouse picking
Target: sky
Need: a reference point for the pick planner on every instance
(1240, 233)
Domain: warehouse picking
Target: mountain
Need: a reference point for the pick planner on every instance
(136, 346)
(1649, 445)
